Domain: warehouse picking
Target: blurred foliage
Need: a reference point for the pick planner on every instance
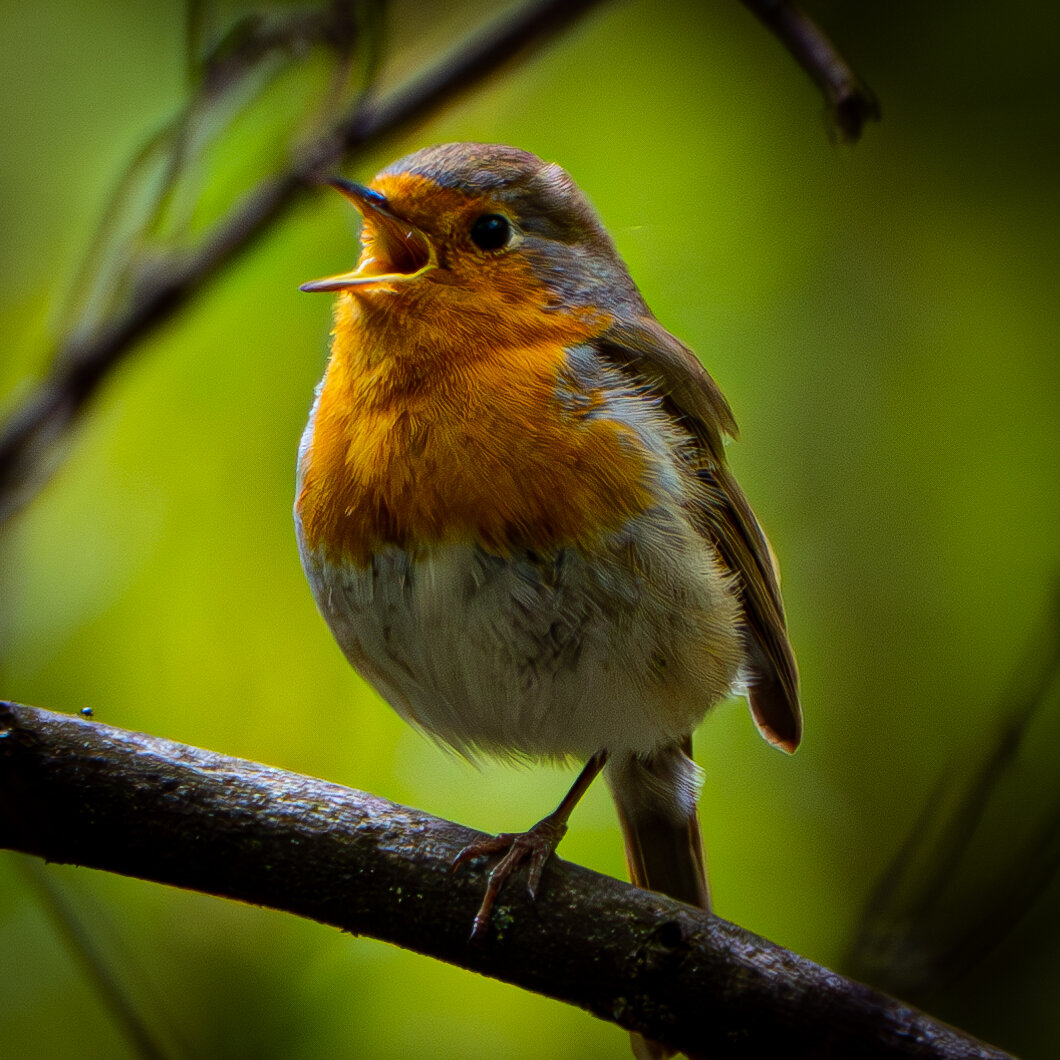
(884, 321)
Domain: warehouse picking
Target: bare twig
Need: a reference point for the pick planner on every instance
(73, 790)
(926, 923)
(227, 73)
(849, 101)
(29, 440)
(70, 923)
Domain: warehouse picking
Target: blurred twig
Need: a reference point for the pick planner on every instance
(849, 101)
(910, 937)
(227, 70)
(70, 924)
(72, 790)
(30, 439)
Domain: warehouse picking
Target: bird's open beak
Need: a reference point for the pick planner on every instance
(394, 251)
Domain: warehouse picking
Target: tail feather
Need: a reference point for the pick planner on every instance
(665, 855)
(655, 796)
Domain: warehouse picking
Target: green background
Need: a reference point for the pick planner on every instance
(883, 320)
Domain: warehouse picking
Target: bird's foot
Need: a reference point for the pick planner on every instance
(535, 846)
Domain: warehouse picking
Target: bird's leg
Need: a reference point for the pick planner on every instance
(534, 845)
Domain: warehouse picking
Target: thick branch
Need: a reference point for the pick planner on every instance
(72, 790)
(29, 439)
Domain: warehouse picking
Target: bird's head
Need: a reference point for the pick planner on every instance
(478, 227)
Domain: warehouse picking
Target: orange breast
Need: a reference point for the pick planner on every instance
(430, 435)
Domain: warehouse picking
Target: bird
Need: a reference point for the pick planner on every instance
(515, 513)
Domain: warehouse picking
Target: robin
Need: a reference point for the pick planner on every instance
(514, 510)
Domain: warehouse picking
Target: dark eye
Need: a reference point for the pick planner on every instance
(491, 231)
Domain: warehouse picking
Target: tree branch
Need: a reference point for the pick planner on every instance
(30, 439)
(73, 790)
(849, 101)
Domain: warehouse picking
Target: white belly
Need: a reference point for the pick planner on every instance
(538, 654)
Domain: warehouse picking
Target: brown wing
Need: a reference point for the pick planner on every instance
(651, 353)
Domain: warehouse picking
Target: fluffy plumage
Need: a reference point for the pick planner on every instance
(513, 503)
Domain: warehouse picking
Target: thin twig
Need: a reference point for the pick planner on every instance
(73, 790)
(849, 101)
(911, 936)
(70, 924)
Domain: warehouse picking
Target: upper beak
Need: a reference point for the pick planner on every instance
(394, 250)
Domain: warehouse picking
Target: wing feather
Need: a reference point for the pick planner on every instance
(651, 354)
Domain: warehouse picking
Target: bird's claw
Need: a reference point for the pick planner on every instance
(535, 845)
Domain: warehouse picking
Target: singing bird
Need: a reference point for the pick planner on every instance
(514, 509)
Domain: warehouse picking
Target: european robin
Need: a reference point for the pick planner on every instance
(514, 509)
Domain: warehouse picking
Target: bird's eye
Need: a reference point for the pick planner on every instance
(491, 231)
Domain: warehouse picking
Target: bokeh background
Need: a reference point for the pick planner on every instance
(884, 321)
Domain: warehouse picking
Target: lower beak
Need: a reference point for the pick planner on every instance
(394, 250)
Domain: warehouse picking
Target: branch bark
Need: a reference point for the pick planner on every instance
(73, 790)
